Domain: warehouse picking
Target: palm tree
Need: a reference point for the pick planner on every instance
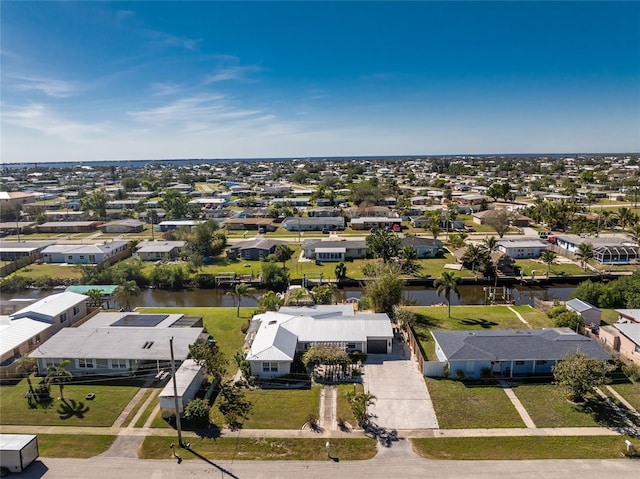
(625, 216)
(635, 233)
(547, 257)
(409, 255)
(95, 297)
(475, 255)
(297, 295)
(341, 270)
(584, 254)
(24, 365)
(491, 243)
(446, 283)
(241, 291)
(124, 292)
(58, 374)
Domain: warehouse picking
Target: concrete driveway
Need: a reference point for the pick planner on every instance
(402, 399)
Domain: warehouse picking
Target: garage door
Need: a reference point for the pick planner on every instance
(377, 346)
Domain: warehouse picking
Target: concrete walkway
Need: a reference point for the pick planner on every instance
(623, 400)
(328, 405)
(524, 321)
(517, 404)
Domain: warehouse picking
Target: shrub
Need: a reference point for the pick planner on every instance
(567, 319)
(460, 374)
(486, 374)
(197, 411)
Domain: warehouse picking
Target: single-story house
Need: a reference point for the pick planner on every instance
(68, 226)
(368, 222)
(254, 249)
(323, 212)
(14, 227)
(123, 226)
(177, 224)
(522, 248)
(158, 250)
(189, 379)
(420, 221)
(368, 211)
(121, 344)
(250, 224)
(12, 250)
(275, 337)
(299, 202)
(25, 329)
(628, 315)
(83, 254)
(107, 290)
(332, 223)
(424, 247)
(334, 250)
(516, 219)
(623, 338)
(591, 316)
(609, 249)
(510, 352)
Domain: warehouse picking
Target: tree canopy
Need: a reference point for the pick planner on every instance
(579, 374)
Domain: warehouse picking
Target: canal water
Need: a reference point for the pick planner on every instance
(414, 295)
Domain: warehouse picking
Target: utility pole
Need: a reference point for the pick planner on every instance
(175, 394)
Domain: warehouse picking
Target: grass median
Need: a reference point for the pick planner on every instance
(522, 447)
(67, 445)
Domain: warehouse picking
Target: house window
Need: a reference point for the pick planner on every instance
(519, 363)
(82, 257)
(269, 367)
(638, 349)
(118, 364)
(63, 317)
(86, 364)
(76, 310)
(541, 362)
(51, 362)
(69, 258)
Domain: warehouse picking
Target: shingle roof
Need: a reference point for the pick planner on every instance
(512, 345)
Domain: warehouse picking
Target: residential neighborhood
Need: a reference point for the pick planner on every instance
(279, 247)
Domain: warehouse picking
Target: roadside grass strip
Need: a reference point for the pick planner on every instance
(79, 446)
(521, 447)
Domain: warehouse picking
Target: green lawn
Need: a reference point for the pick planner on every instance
(629, 391)
(221, 323)
(547, 406)
(536, 318)
(111, 398)
(277, 408)
(343, 408)
(459, 406)
(52, 270)
(137, 407)
(568, 269)
(261, 449)
(517, 448)
(82, 447)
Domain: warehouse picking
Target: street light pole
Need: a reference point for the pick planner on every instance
(175, 393)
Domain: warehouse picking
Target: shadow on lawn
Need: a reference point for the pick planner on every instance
(72, 408)
(483, 323)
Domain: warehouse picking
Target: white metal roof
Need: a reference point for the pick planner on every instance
(185, 375)
(630, 330)
(15, 332)
(118, 343)
(52, 305)
(331, 250)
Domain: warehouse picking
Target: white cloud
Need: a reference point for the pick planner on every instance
(44, 120)
(237, 72)
(173, 40)
(49, 86)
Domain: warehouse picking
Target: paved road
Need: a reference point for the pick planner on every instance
(382, 466)
(402, 400)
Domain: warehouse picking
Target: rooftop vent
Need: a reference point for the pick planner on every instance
(147, 345)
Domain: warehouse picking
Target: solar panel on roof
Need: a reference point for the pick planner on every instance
(141, 320)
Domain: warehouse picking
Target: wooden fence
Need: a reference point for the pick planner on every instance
(19, 263)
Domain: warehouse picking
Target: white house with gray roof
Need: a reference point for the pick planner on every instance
(522, 248)
(334, 250)
(122, 343)
(275, 337)
(32, 325)
(82, 254)
(510, 353)
(158, 250)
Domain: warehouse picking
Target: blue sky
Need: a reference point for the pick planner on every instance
(144, 80)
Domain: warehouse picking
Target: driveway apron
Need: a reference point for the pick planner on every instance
(402, 399)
